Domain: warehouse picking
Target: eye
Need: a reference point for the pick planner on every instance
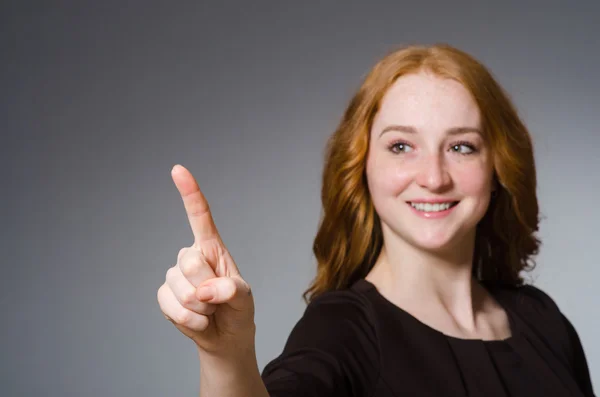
(400, 147)
(463, 148)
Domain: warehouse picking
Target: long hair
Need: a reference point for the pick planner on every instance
(349, 238)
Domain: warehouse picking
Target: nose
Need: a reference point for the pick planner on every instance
(432, 173)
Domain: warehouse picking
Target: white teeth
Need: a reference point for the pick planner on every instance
(427, 207)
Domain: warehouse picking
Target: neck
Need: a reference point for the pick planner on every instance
(441, 277)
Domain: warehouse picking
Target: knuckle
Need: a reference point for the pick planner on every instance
(165, 301)
(198, 207)
(181, 253)
(160, 294)
(201, 323)
(187, 299)
(233, 286)
(242, 287)
(183, 317)
(170, 274)
(230, 288)
(190, 266)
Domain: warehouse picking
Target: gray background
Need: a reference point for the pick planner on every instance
(100, 100)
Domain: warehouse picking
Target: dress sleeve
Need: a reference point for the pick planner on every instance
(331, 351)
(579, 362)
(566, 336)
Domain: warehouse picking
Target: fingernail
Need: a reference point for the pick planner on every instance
(176, 168)
(205, 293)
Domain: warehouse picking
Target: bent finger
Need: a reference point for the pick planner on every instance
(185, 292)
(231, 290)
(178, 314)
(195, 267)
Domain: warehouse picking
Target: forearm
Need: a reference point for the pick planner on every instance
(239, 377)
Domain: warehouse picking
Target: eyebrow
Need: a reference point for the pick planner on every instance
(413, 130)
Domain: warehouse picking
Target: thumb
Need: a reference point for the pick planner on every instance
(231, 290)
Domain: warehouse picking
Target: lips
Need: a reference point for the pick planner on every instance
(430, 210)
(432, 206)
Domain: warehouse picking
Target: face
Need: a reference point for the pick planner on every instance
(429, 170)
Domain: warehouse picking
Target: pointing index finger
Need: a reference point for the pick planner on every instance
(195, 204)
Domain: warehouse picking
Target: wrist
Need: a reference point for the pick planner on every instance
(234, 359)
(237, 375)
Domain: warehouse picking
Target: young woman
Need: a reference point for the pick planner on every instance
(430, 214)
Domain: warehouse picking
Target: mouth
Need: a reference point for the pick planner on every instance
(432, 207)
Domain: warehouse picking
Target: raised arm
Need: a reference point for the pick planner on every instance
(207, 300)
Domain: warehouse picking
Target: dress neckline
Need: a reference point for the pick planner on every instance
(499, 344)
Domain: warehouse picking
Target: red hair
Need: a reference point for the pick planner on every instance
(349, 238)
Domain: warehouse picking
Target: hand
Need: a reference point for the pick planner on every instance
(204, 295)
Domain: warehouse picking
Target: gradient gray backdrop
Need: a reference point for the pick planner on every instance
(100, 99)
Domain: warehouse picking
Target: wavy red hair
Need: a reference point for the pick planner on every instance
(349, 238)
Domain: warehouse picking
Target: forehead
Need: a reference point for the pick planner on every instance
(429, 102)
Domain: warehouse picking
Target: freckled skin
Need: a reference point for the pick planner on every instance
(429, 164)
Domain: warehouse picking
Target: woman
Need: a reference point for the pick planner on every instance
(430, 216)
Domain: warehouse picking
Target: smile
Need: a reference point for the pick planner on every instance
(432, 210)
(435, 207)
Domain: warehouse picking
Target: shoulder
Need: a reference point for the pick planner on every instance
(524, 298)
(537, 297)
(335, 318)
(348, 300)
(331, 350)
(539, 315)
(535, 309)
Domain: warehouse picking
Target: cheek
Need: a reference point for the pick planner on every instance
(387, 178)
(473, 181)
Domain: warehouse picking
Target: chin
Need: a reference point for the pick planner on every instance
(441, 241)
(433, 245)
